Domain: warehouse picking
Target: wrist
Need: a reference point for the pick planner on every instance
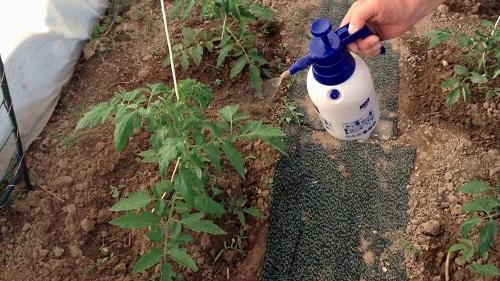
(421, 8)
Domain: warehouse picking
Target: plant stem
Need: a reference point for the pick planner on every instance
(223, 27)
(171, 212)
(237, 41)
(447, 267)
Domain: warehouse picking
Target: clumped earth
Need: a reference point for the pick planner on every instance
(60, 231)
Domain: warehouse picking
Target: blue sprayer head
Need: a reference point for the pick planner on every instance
(332, 62)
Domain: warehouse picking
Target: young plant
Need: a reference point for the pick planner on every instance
(483, 215)
(481, 65)
(291, 114)
(239, 208)
(231, 39)
(188, 149)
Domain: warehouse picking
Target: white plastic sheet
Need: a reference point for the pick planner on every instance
(40, 43)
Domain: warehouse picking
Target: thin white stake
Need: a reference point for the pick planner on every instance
(165, 25)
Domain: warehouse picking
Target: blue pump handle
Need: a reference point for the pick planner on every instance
(347, 38)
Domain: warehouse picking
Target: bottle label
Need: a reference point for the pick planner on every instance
(361, 126)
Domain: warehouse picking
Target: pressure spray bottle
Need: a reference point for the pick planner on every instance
(339, 83)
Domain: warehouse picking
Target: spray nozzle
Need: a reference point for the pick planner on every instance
(328, 52)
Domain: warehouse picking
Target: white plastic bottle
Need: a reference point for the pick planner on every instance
(339, 83)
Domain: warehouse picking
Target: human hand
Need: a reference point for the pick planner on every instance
(387, 18)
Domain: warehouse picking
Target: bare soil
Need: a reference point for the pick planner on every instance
(61, 231)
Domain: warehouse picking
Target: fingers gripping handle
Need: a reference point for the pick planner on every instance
(347, 38)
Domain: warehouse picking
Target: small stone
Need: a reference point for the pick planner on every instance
(443, 9)
(43, 253)
(147, 58)
(265, 193)
(230, 255)
(120, 268)
(63, 181)
(87, 225)
(392, 115)
(452, 199)
(384, 269)
(444, 63)
(58, 252)
(70, 209)
(384, 130)
(431, 228)
(448, 176)
(75, 251)
(99, 146)
(103, 215)
(143, 73)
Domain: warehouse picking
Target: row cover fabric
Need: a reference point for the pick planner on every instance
(40, 43)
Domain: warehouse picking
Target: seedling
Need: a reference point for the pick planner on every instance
(483, 213)
(187, 147)
(231, 39)
(481, 65)
(291, 114)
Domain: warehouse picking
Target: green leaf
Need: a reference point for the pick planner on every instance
(241, 217)
(486, 237)
(149, 156)
(166, 272)
(254, 211)
(97, 114)
(148, 260)
(478, 78)
(450, 83)
(164, 186)
(207, 205)
(192, 218)
(453, 97)
(203, 226)
(210, 46)
(168, 152)
(188, 34)
(456, 247)
(175, 230)
(255, 129)
(485, 269)
(235, 10)
(213, 154)
(223, 54)
(490, 94)
(466, 93)
(124, 128)
(135, 200)
(238, 66)
(488, 24)
(468, 225)
(184, 59)
(255, 79)
(464, 40)
(261, 11)
(133, 220)
(234, 157)
(196, 54)
(182, 258)
(474, 187)
(438, 37)
(460, 69)
(229, 112)
(188, 8)
(481, 205)
(190, 180)
(156, 234)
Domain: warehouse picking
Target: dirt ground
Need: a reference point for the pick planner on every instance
(60, 231)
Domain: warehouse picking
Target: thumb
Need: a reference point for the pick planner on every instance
(360, 14)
